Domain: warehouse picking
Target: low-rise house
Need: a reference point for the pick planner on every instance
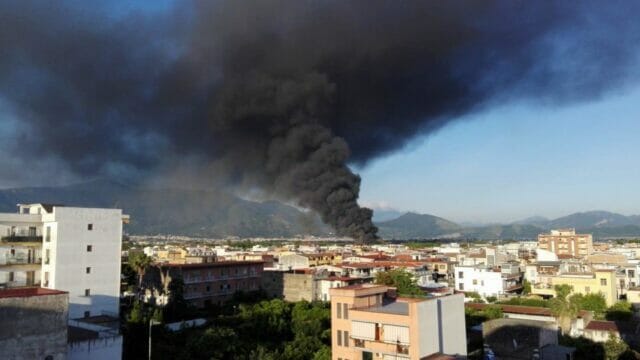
(489, 281)
(538, 314)
(599, 281)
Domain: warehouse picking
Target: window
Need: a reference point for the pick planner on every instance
(87, 314)
(89, 248)
(339, 337)
(47, 236)
(11, 276)
(345, 311)
(475, 282)
(460, 275)
(461, 286)
(89, 227)
(631, 273)
(587, 289)
(603, 282)
(88, 270)
(87, 292)
(339, 310)
(346, 338)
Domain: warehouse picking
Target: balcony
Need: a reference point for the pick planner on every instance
(11, 261)
(22, 239)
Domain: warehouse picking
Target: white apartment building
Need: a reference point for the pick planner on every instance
(78, 252)
(488, 281)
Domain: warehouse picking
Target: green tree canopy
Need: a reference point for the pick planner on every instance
(622, 310)
(563, 307)
(139, 262)
(401, 279)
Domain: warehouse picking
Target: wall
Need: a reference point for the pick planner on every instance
(106, 348)
(70, 258)
(288, 286)
(33, 327)
(452, 325)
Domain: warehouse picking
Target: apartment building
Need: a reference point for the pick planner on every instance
(598, 281)
(489, 281)
(212, 283)
(369, 322)
(566, 242)
(71, 249)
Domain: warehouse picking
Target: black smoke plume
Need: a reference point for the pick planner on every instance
(286, 94)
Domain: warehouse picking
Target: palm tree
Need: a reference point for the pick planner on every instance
(564, 307)
(139, 262)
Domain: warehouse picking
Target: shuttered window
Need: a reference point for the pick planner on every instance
(363, 330)
(395, 334)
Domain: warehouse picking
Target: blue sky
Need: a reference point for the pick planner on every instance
(516, 161)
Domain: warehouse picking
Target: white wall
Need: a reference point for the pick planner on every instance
(70, 258)
(488, 283)
(452, 325)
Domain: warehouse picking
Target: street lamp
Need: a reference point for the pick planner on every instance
(151, 322)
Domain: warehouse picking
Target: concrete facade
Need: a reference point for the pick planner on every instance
(290, 286)
(369, 321)
(33, 324)
(212, 283)
(566, 242)
(79, 253)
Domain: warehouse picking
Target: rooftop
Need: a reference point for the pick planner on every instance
(396, 308)
(212, 264)
(28, 292)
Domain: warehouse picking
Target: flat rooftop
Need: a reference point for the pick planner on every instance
(395, 308)
(27, 292)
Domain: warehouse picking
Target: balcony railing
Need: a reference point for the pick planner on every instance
(21, 238)
(22, 261)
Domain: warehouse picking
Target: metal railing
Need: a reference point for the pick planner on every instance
(22, 238)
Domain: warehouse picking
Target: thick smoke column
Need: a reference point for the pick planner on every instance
(286, 94)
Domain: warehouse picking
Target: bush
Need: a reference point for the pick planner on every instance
(620, 311)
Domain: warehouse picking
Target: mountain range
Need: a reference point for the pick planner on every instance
(216, 213)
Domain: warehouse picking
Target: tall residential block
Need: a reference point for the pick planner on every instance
(369, 322)
(71, 249)
(566, 242)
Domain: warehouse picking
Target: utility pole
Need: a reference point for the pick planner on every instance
(151, 323)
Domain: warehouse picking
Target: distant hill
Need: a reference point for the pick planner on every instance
(533, 220)
(412, 225)
(175, 211)
(380, 215)
(214, 213)
(593, 219)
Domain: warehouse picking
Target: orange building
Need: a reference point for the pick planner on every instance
(566, 242)
(369, 322)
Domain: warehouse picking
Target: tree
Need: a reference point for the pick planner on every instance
(491, 299)
(493, 312)
(177, 305)
(158, 316)
(614, 348)
(136, 315)
(401, 279)
(622, 310)
(323, 354)
(591, 302)
(215, 343)
(139, 262)
(526, 287)
(563, 307)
